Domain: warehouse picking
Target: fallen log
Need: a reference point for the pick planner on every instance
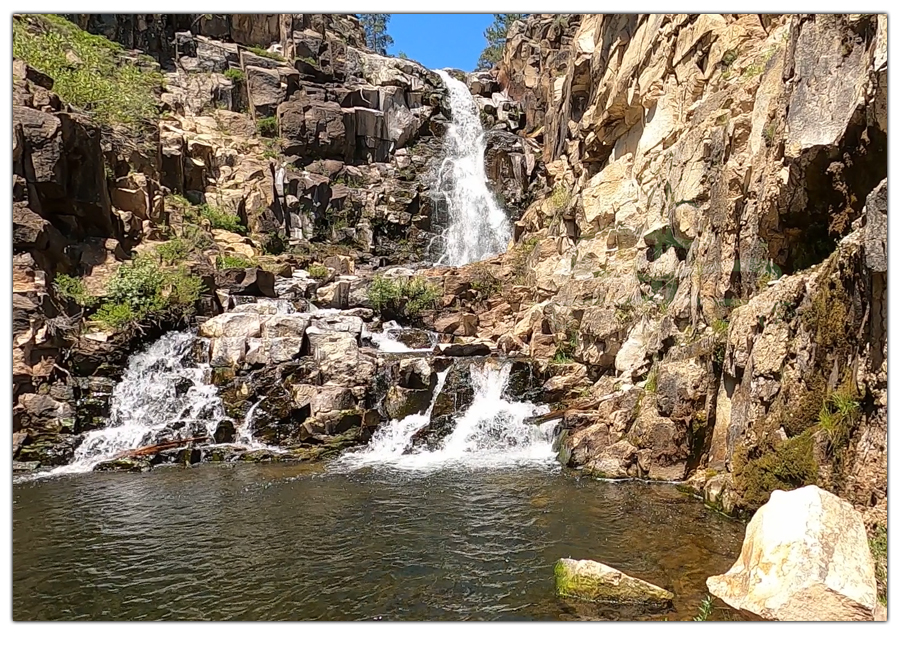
(562, 413)
(152, 449)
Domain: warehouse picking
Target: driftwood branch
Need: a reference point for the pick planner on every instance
(152, 449)
(562, 413)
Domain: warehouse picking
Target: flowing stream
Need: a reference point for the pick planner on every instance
(490, 433)
(164, 394)
(477, 228)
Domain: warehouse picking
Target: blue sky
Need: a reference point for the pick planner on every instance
(438, 40)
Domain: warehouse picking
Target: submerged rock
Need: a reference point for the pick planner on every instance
(141, 464)
(805, 557)
(589, 580)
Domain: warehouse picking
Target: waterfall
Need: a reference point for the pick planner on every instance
(491, 433)
(164, 394)
(477, 228)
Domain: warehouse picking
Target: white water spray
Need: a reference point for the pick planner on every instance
(163, 395)
(477, 227)
(491, 433)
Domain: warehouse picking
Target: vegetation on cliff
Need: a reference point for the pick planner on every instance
(89, 72)
(495, 35)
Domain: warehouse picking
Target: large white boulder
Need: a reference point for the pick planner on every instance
(805, 557)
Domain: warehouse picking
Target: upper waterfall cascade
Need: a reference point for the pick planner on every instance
(477, 228)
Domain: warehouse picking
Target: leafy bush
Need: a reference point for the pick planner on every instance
(142, 290)
(317, 271)
(729, 57)
(71, 287)
(89, 72)
(404, 297)
(235, 74)
(219, 219)
(230, 262)
(267, 126)
(174, 250)
(259, 51)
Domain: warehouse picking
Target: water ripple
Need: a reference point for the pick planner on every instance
(287, 543)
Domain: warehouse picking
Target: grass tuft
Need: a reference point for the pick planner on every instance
(89, 72)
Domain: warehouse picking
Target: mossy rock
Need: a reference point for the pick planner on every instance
(773, 465)
(588, 580)
(124, 465)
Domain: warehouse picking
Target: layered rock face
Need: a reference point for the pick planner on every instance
(282, 143)
(703, 272)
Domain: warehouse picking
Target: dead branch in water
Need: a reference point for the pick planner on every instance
(152, 449)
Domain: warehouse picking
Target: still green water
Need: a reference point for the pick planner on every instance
(270, 542)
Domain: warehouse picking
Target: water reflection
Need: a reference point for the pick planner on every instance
(254, 542)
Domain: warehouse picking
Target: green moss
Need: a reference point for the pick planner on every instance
(774, 465)
(88, 71)
(729, 57)
(652, 376)
(259, 51)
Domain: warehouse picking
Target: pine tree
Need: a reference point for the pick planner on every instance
(495, 35)
(375, 26)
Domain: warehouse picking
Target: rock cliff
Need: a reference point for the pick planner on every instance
(697, 276)
(707, 259)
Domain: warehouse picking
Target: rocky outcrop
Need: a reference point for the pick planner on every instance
(588, 580)
(697, 225)
(805, 557)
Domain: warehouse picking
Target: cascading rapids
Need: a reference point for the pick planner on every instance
(492, 432)
(163, 395)
(477, 228)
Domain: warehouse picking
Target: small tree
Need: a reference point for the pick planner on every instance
(495, 35)
(375, 26)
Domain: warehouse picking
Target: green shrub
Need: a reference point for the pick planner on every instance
(219, 219)
(652, 376)
(174, 250)
(267, 126)
(720, 326)
(485, 283)
(115, 315)
(88, 71)
(259, 51)
(142, 290)
(729, 57)
(72, 287)
(235, 74)
(230, 262)
(559, 200)
(317, 271)
(406, 297)
(197, 237)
